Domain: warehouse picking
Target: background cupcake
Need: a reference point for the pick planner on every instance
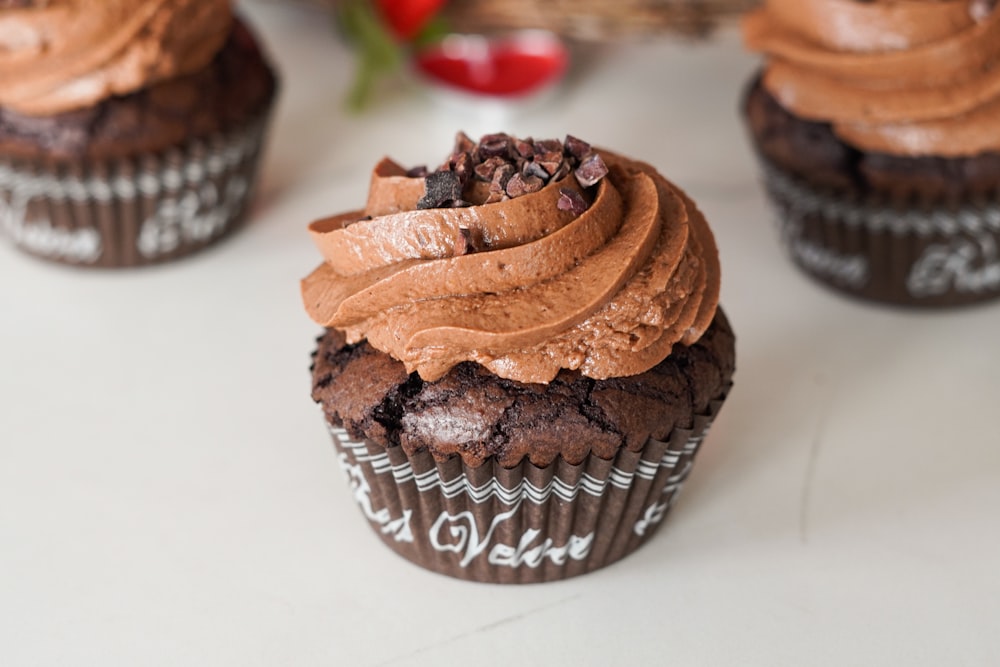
(878, 127)
(523, 353)
(129, 131)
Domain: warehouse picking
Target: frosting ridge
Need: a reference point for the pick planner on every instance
(903, 77)
(524, 286)
(68, 54)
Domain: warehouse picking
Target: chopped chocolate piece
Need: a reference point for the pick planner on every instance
(461, 164)
(485, 170)
(548, 146)
(501, 176)
(562, 171)
(525, 148)
(498, 186)
(494, 145)
(495, 196)
(577, 148)
(420, 171)
(571, 200)
(463, 144)
(521, 185)
(501, 166)
(550, 162)
(442, 187)
(535, 169)
(463, 242)
(591, 170)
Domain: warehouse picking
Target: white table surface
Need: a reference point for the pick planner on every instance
(169, 494)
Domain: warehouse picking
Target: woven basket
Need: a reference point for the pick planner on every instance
(591, 20)
(597, 20)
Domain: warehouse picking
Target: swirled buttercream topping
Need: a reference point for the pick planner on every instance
(905, 77)
(62, 55)
(603, 268)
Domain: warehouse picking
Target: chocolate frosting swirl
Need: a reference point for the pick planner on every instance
(61, 55)
(607, 291)
(904, 77)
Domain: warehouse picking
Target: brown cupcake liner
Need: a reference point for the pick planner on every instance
(526, 524)
(906, 254)
(133, 211)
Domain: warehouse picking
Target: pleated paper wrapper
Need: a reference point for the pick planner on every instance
(526, 524)
(135, 211)
(873, 248)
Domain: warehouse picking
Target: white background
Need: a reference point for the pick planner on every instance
(169, 494)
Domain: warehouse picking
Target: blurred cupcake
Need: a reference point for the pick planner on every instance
(523, 353)
(130, 131)
(878, 128)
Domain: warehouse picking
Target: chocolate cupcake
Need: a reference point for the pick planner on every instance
(523, 353)
(130, 132)
(878, 128)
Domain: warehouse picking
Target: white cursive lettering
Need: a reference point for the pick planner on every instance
(654, 514)
(195, 217)
(468, 544)
(964, 265)
(850, 270)
(82, 246)
(398, 528)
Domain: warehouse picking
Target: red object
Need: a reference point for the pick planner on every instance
(407, 17)
(509, 66)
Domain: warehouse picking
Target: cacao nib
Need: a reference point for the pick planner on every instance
(571, 200)
(501, 166)
(577, 148)
(535, 169)
(461, 165)
(525, 148)
(485, 170)
(562, 171)
(550, 162)
(591, 170)
(548, 146)
(521, 185)
(463, 144)
(494, 145)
